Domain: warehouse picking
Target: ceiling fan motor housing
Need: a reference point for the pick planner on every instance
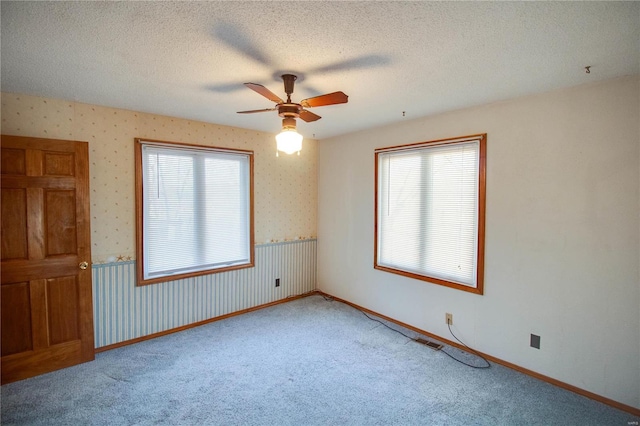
(289, 110)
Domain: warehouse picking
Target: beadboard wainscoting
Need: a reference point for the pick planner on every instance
(123, 311)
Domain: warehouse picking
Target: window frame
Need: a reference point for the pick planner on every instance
(140, 225)
(480, 250)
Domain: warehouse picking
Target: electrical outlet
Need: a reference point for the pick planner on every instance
(277, 282)
(535, 341)
(449, 318)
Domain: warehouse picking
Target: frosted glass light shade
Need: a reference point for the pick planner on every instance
(289, 141)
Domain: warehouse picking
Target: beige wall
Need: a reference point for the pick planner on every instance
(562, 234)
(285, 187)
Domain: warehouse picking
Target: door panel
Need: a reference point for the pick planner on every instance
(47, 317)
(14, 224)
(60, 222)
(57, 164)
(62, 306)
(16, 318)
(13, 162)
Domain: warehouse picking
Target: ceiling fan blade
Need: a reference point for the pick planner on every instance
(256, 110)
(328, 99)
(259, 88)
(308, 116)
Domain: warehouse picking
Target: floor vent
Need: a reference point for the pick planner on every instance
(433, 345)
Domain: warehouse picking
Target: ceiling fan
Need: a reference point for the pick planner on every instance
(289, 110)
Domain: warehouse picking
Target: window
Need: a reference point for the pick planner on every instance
(430, 202)
(194, 210)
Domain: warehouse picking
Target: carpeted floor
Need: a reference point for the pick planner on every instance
(307, 362)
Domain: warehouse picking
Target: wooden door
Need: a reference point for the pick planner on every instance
(45, 299)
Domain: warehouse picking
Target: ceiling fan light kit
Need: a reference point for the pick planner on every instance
(289, 140)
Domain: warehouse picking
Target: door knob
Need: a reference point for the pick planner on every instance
(84, 265)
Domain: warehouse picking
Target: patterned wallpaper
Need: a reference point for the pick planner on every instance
(285, 187)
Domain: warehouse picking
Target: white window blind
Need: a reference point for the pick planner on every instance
(196, 209)
(428, 210)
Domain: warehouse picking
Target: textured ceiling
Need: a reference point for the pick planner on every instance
(189, 59)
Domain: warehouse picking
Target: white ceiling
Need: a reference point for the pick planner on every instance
(189, 59)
